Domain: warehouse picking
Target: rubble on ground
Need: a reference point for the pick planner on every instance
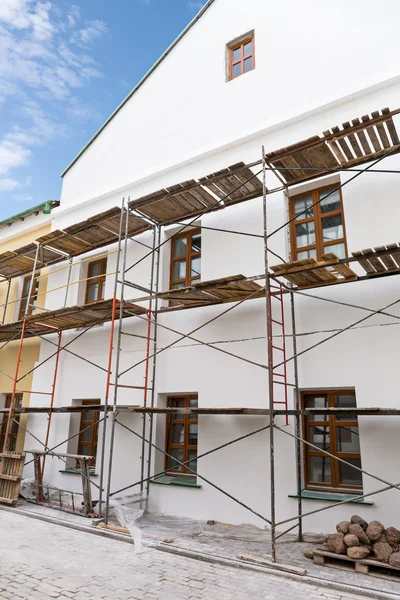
(359, 539)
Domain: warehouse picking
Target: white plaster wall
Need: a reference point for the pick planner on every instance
(186, 108)
(364, 358)
(25, 225)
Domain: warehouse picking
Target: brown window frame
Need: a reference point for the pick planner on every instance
(333, 423)
(14, 425)
(188, 257)
(235, 45)
(94, 431)
(24, 296)
(100, 279)
(320, 246)
(180, 419)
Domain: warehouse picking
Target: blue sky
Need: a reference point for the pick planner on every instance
(65, 65)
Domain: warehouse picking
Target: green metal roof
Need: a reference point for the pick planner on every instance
(141, 82)
(45, 207)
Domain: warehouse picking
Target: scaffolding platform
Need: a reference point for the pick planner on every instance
(310, 273)
(355, 144)
(217, 291)
(63, 319)
(365, 140)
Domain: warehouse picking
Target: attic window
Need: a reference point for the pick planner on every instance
(241, 57)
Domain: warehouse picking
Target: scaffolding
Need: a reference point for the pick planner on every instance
(369, 140)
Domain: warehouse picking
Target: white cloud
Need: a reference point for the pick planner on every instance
(43, 28)
(7, 184)
(195, 5)
(126, 83)
(73, 15)
(12, 155)
(45, 57)
(15, 13)
(84, 37)
(23, 198)
(23, 14)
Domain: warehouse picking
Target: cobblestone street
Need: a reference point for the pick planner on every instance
(44, 561)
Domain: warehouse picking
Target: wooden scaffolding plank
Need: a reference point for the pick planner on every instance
(342, 268)
(366, 265)
(387, 259)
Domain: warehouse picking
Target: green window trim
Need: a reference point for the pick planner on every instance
(76, 472)
(331, 497)
(179, 481)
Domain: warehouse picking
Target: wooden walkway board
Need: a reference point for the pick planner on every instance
(65, 318)
(11, 467)
(235, 184)
(366, 565)
(356, 143)
(188, 199)
(379, 260)
(308, 272)
(217, 291)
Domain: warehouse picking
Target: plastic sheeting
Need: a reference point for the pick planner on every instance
(148, 529)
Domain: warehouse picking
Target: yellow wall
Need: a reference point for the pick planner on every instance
(31, 347)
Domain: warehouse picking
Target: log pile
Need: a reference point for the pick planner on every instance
(359, 539)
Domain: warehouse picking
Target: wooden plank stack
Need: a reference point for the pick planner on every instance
(11, 467)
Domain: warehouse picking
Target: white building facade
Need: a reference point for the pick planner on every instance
(204, 108)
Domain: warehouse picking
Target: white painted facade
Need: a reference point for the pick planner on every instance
(187, 121)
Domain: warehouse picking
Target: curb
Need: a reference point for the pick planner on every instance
(211, 558)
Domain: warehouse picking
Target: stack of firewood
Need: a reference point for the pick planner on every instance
(359, 539)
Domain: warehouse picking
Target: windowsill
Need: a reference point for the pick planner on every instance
(76, 472)
(330, 497)
(177, 481)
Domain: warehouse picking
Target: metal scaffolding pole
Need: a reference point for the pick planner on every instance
(19, 355)
(68, 281)
(117, 364)
(53, 392)
(197, 474)
(270, 361)
(153, 378)
(110, 357)
(297, 417)
(152, 330)
(6, 302)
(186, 462)
(144, 416)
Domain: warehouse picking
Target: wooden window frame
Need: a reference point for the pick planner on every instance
(100, 279)
(235, 45)
(335, 485)
(94, 431)
(188, 257)
(180, 419)
(25, 311)
(320, 246)
(14, 425)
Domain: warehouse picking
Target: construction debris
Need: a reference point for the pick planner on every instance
(359, 539)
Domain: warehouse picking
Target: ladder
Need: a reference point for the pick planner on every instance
(277, 348)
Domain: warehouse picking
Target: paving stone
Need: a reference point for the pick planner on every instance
(65, 564)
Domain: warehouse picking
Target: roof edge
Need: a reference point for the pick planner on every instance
(141, 82)
(45, 207)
